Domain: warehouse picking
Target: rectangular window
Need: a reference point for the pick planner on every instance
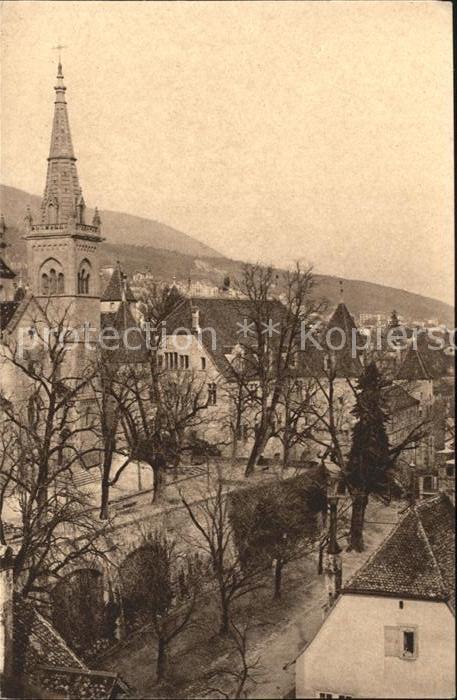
(203, 359)
(171, 360)
(183, 361)
(409, 646)
(400, 642)
(212, 394)
(428, 483)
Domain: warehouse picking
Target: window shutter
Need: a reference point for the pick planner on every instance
(391, 637)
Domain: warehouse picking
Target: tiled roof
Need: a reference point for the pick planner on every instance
(7, 309)
(417, 558)
(49, 664)
(347, 359)
(398, 399)
(113, 291)
(425, 361)
(225, 316)
(340, 330)
(125, 347)
(16, 313)
(5, 271)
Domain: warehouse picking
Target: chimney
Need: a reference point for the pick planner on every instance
(195, 319)
(6, 618)
(333, 566)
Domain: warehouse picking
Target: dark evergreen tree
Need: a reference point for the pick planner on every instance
(394, 322)
(370, 459)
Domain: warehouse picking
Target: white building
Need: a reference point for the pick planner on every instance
(391, 632)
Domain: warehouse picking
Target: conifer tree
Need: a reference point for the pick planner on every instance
(370, 460)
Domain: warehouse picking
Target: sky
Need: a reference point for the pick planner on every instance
(271, 131)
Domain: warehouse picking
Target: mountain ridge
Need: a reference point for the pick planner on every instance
(205, 265)
(143, 230)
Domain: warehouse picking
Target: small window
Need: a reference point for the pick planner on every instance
(409, 644)
(428, 483)
(52, 281)
(184, 362)
(341, 488)
(203, 361)
(44, 284)
(400, 642)
(212, 394)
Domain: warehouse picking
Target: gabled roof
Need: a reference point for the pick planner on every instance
(413, 366)
(341, 339)
(7, 309)
(129, 344)
(16, 310)
(6, 272)
(425, 360)
(417, 558)
(114, 291)
(226, 316)
(398, 399)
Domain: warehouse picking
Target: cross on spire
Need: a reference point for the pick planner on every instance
(59, 48)
(341, 291)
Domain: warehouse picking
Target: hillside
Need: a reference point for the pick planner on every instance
(171, 254)
(118, 227)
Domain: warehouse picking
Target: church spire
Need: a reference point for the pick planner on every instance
(62, 195)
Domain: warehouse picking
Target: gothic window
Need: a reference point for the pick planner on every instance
(44, 283)
(52, 213)
(84, 277)
(51, 280)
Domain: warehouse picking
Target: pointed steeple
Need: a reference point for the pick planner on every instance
(62, 192)
(96, 221)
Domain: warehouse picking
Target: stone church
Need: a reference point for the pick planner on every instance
(63, 259)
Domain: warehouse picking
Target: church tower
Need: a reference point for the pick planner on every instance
(62, 249)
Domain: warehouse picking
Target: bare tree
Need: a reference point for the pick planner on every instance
(48, 440)
(236, 676)
(233, 577)
(277, 307)
(157, 417)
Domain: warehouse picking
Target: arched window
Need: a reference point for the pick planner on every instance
(51, 278)
(44, 283)
(84, 277)
(52, 213)
(52, 281)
